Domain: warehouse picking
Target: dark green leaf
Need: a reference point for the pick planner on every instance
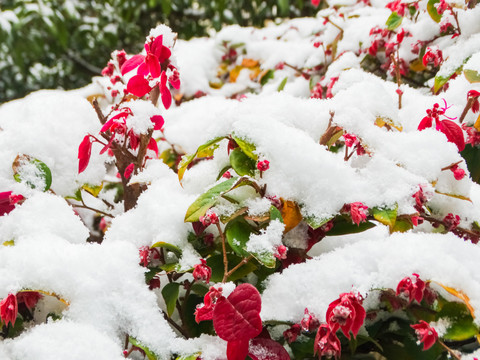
(177, 251)
(462, 326)
(344, 226)
(275, 214)
(471, 154)
(283, 6)
(207, 200)
(237, 233)
(242, 163)
(270, 74)
(170, 295)
(394, 21)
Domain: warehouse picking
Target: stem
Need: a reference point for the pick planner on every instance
(398, 76)
(469, 104)
(456, 20)
(450, 351)
(239, 265)
(296, 69)
(99, 112)
(451, 165)
(224, 249)
(176, 326)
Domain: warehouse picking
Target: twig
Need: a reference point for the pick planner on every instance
(451, 165)
(239, 265)
(224, 249)
(468, 106)
(450, 351)
(99, 112)
(175, 325)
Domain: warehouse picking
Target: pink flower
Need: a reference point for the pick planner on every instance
(227, 175)
(291, 334)
(397, 6)
(458, 173)
(202, 271)
(263, 165)
(442, 6)
(205, 312)
(474, 94)
(473, 136)
(144, 253)
(347, 312)
(434, 56)
(84, 152)
(281, 252)
(451, 222)
(333, 80)
(209, 218)
(327, 343)
(350, 140)
(315, 2)
(412, 287)
(358, 212)
(309, 322)
(426, 334)
(317, 92)
(9, 309)
(420, 199)
(416, 220)
(29, 298)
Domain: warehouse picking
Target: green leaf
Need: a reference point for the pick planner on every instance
(266, 258)
(344, 226)
(166, 7)
(170, 295)
(315, 222)
(275, 214)
(216, 264)
(402, 225)
(247, 147)
(207, 200)
(283, 6)
(237, 233)
(269, 75)
(242, 163)
(471, 154)
(189, 357)
(29, 170)
(282, 84)
(204, 150)
(432, 10)
(394, 21)
(462, 326)
(150, 354)
(385, 216)
(471, 75)
(176, 250)
(440, 81)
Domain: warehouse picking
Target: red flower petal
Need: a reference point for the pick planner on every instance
(128, 171)
(237, 350)
(453, 132)
(158, 121)
(267, 349)
(425, 123)
(153, 65)
(166, 96)
(84, 152)
(138, 86)
(238, 316)
(132, 63)
(152, 145)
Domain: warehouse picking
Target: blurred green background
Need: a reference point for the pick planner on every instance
(63, 43)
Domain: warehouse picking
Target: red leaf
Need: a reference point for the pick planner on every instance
(158, 121)
(266, 349)
(152, 145)
(84, 152)
(453, 132)
(138, 86)
(165, 91)
(132, 63)
(237, 350)
(238, 316)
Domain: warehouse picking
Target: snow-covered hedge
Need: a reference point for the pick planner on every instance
(308, 189)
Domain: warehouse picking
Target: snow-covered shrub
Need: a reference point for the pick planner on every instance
(308, 189)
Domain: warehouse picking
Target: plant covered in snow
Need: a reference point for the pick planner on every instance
(303, 190)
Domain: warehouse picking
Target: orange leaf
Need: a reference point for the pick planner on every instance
(234, 73)
(291, 214)
(459, 294)
(249, 63)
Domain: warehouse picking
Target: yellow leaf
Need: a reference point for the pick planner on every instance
(249, 63)
(459, 294)
(477, 123)
(93, 189)
(255, 72)
(461, 197)
(234, 73)
(387, 123)
(291, 214)
(90, 98)
(215, 85)
(417, 65)
(9, 243)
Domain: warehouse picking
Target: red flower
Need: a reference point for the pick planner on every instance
(426, 334)
(281, 252)
(9, 309)
(263, 165)
(451, 222)
(474, 94)
(434, 56)
(309, 322)
(84, 152)
(358, 212)
(158, 122)
(420, 199)
(144, 253)
(411, 287)
(315, 2)
(327, 343)
(29, 298)
(202, 271)
(291, 334)
(458, 173)
(209, 218)
(5, 203)
(347, 312)
(205, 312)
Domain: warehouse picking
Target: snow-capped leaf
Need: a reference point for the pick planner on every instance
(267, 349)
(150, 354)
(32, 172)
